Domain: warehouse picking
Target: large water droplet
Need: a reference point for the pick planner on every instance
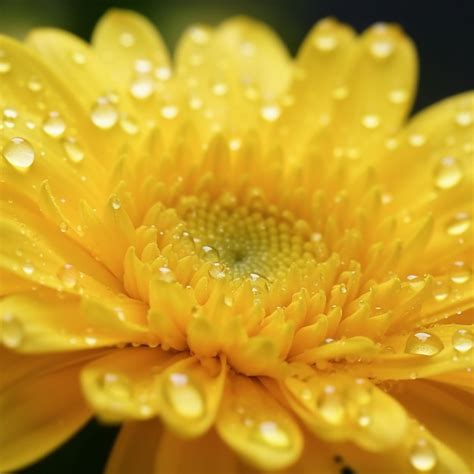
(272, 434)
(73, 150)
(169, 111)
(183, 396)
(68, 275)
(461, 273)
(209, 253)
(423, 343)
(423, 456)
(331, 405)
(270, 112)
(142, 87)
(459, 224)
(463, 340)
(12, 332)
(217, 271)
(54, 125)
(166, 274)
(448, 173)
(104, 114)
(19, 153)
(116, 386)
(28, 268)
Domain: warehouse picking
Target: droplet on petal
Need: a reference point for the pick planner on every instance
(423, 343)
(73, 150)
(142, 87)
(270, 112)
(331, 405)
(116, 386)
(459, 224)
(104, 114)
(370, 121)
(68, 275)
(463, 340)
(12, 332)
(272, 434)
(461, 273)
(54, 125)
(183, 396)
(19, 153)
(166, 274)
(448, 173)
(423, 456)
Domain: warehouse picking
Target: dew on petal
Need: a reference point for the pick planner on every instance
(54, 125)
(166, 274)
(325, 43)
(459, 224)
(423, 456)
(73, 150)
(382, 49)
(448, 173)
(398, 96)
(12, 332)
(464, 119)
(68, 275)
(209, 253)
(126, 39)
(19, 153)
(270, 112)
(370, 121)
(183, 396)
(104, 114)
(424, 344)
(273, 435)
(331, 405)
(463, 340)
(217, 271)
(116, 386)
(28, 269)
(169, 111)
(461, 273)
(115, 203)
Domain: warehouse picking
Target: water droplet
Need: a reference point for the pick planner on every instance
(104, 114)
(331, 405)
(143, 66)
(63, 227)
(463, 119)
(183, 396)
(382, 49)
(169, 111)
(398, 96)
(463, 340)
(116, 386)
(127, 40)
(19, 153)
(270, 112)
(163, 73)
(28, 269)
(340, 93)
(370, 121)
(73, 150)
(459, 224)
(209, 253)
(129, 125)
(79, 58)
(166, 274)
(54, 125)
(34, 85)
(423, 456)
(217, 271)
(416, 140)
(220, 88)
(273, 435)
(12, 332)
(5, 65)
(461, 273)
(423, 343)
(448, 173)
(199, 35)
(142, 87)
(115, 203)
(68, 275)
(325, 43)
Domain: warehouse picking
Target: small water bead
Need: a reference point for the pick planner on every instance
(54, 125)
(169, 111)
(331, 405)
(116, 386)
(209, 253)
(417, 140)
(448, 173)
(73, 150)
(68, 275)
(126, 39)
(28, 269)
(129, 125)
(220, 88)
(104, 114)
(441, 290)
(398, 96)
(463, 340)
(115, 203)
(63, 227)
(79, 58)
(19, 153)
(10, 113)
(423, 456)
(270, 112)
(5, 65)
(143, 66)
(325, 43)
(12, 332)
(34, 85)
(166, 274)
(340, 93)
(163, 73)
(423, 343)
(459, 224)
(272, 434)
(461, 273)
(382, 49)
(217, 271)
(464, 119)
(370, 121)
(199, 35)
(183, 396)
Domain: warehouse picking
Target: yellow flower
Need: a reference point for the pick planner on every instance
(243, 258)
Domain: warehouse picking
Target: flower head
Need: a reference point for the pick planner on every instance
(242, 257)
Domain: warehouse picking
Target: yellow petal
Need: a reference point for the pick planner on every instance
(447, 415)
(189, 395)
(121, 385)
(252, 423)
(33, 421)
(205, 454)
(337, 408)
(135, 448)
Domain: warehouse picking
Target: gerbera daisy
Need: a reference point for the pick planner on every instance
(241, 257)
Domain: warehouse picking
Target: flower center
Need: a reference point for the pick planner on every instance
(249, 239)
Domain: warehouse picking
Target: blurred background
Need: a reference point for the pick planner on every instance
(442, 31)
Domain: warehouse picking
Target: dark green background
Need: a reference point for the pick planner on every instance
(442, 30)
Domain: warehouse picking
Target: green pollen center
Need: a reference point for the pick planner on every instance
(247, 240)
